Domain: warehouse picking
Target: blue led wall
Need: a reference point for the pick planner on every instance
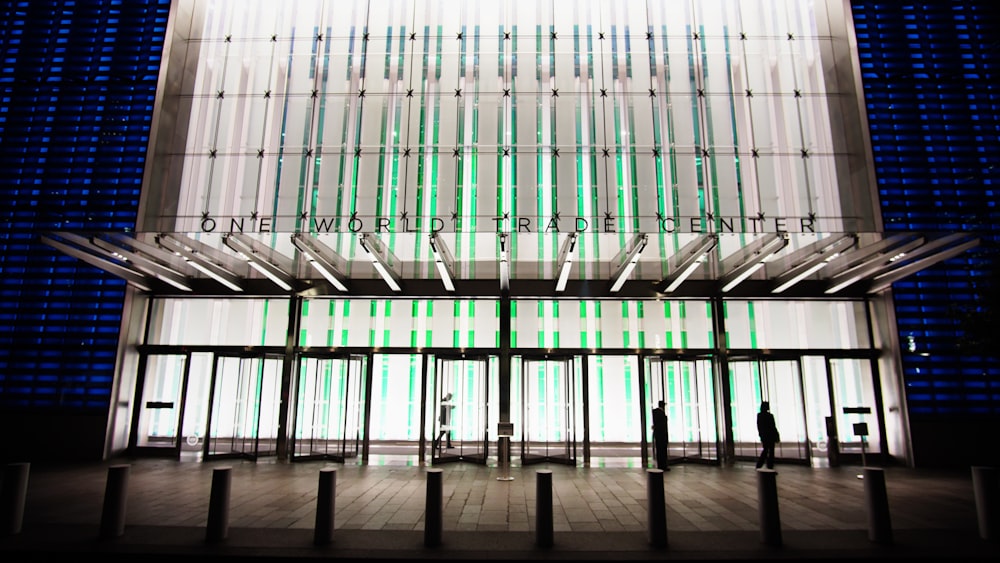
(933, 99)
(78, 82)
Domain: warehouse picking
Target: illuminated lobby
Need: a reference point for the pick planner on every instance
(558, 213)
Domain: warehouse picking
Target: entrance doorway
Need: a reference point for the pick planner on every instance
(161, 388)
(243, 409)
(329, 403)
(778, 381)
(686, 385)
(549, 391)
(461, 392)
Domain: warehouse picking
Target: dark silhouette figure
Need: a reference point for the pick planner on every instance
(768, 433)
(444, 418)
(660, 436)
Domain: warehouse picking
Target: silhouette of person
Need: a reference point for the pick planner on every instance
(444, 418)
(660, 435)
(768, 433)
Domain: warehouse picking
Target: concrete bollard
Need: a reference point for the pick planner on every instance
(434, 511)
(544, 536)
(218, 505)
(987, 492)
(657, 511)
(12, 496)
(325, 506)
(877, 501)
(115, 501)
(767, 507)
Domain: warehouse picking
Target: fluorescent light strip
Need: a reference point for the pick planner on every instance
(441, 260)
(504, 265)
(633, 261)
(208, 272)
(268, 273)
(684, 275)
(382, 271)
(564, 275)
(445, 276)
(746, 274)
(624, 275)
(322, 265)
(325, 273)
(805, 274)
(566, 255)
(381, 268)
(248, 253)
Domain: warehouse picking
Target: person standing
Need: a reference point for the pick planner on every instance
(768, 432)
(660, 435)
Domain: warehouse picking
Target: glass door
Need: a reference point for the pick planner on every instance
(156, 425)
(779, 382)
(243, 412)
(686, 387)
(329, 403)
(548, 421)
(854, 406)
(459, 427)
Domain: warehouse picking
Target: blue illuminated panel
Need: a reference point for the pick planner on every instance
(930, 78)
(78, 81)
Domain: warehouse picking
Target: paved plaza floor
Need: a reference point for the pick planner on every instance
(598, 512)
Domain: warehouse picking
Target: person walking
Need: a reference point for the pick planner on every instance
(444, 419)
(660, 435)
(768, 432)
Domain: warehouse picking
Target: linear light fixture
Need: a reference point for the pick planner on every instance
(137, 279)
(686, 261)
(199, 262)
(888, 252)
(631, 258)
(382, 260)
(886, 279)
(144, 264)
(763, 249)
(322, 259)
(444, 261)
(256, 260)
(822, 252)
(566, 255)
(504, 262)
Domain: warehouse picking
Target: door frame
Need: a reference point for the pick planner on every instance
(575, 367)
(480, 454)
(714, 400)
(359, 440)
(173, 451)
(255, 454)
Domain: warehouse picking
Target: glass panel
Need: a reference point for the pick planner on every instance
(161, 401)
(611, 324)
(549, 397)
(460, 407)
(405, 323)
(196, 404)
(395, 403)
(329, 407)
(615, 422)
(796, 324)
(853, 389)
(219, 322)
(817, 390)
(687, 388)
(245, 400)
(775, 381)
